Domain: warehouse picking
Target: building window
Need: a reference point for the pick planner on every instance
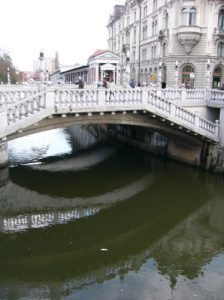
(134, 37)
(192, 16)
(154, 5)
(153, 28)
(164, 49)
(144, 54)
(184, 17)
(221, 19)
(145, 8)
(221, 49)
(187, 78)
(133, 56)
(135, 16)
(115, 45)
(166, 23)
(188, 18)
(153, 52)
(144, 31)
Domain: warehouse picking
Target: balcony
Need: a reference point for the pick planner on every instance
(162, 34)
(188, 37)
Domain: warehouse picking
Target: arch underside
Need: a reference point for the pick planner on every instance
(140, 119)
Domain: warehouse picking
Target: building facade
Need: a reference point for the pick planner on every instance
(102, 64)
(179, 42)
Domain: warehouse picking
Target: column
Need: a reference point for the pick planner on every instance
(176, 74)
(101, 75)
(113, 75)
(3, 155)
(97, 72)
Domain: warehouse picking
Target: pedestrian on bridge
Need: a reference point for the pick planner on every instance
(80, 83)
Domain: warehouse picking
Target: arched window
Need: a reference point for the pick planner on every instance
(184, 17)
(164, 49)
(156, 27)
(221, 49)
(166, 19)
(154, 5)
(192, 16)
(221, 19)
(188, 76)
(153, 28)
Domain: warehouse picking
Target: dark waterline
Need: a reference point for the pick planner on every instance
(107, 222)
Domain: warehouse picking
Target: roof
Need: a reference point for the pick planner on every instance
(73, 69)
(98, 52)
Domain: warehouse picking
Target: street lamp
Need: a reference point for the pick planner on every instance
(208, 73)
(176, 74)
(159, 74)
(8, 76)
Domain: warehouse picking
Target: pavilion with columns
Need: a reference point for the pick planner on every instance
(103, 64)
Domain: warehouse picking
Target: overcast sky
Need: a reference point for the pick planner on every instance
(74, 28)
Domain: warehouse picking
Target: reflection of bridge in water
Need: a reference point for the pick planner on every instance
(190, 235)
(16, 199)
(170, 245)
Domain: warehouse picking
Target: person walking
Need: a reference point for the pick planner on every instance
(132, 83)
(105, 83)
(80, 83)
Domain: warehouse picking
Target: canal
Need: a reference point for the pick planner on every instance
(85, 219)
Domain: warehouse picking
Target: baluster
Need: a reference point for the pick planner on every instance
(83, 98)
(78, 99)
(94, 97)
(72, 100)
(89, 98)
(116, 97)
(10, 116)
(22, 110)
(17, 114)
(121, 97)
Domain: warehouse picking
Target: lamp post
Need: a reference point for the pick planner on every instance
(176, 74)
(208, 74)
(8, 76)
(159, 74)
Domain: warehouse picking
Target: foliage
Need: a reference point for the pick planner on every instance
(6, 66)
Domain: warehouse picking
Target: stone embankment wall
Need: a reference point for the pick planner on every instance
(207, 156)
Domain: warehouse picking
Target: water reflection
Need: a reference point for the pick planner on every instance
(161, 222)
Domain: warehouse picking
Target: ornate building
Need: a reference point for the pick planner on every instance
(180, 42)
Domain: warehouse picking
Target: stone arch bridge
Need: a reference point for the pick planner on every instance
(169, 112)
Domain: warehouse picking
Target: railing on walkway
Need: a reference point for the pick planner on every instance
(56, 100)
(10, 94)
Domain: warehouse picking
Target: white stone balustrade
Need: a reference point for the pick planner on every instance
(180, 115)
(65, 101)
(12, 94)
(215, 97)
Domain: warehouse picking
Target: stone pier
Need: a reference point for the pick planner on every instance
(3, 155)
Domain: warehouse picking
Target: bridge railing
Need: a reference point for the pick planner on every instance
(183, 96)
(59, 101)
(13, 93)
(133, 99)
(215, 97)
(11, 114)
(180, 115)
